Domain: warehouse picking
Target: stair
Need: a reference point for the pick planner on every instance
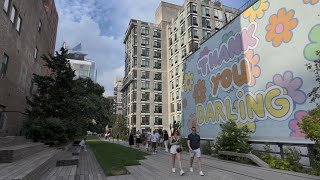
(13, 140)
(13, 153)
(31, 167)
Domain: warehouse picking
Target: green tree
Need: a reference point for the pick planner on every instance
(73, 104)
(315, 68)
(120, 127)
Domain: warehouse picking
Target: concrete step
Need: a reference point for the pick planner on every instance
(13, 153)
(31, 167)
(13, 140)
(62, 172)
(70, 157)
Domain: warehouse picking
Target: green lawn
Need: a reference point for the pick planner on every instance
(113, 157)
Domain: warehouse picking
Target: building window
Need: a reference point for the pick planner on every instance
(4, 65)
(157, 97)
(157, 33)
(144, 31)
(183, 40)
(172, 107)
(171, 85)
(145, 42)
(195, 33)
(157, 53)
(145, 52)
(158, 120)
(145, 120)
(18, 26)
(184, 53)
(206, 23)
(194, 8)
(158, 86)
(145, 108)
(218, 25)
(175, 36)
(195, 20)
(172, 97)
(35, 54)
(13, 14)
(175, 25)
(205, 34)
(157, 44)
(6, 5)
(157, 76)
(2, 109)
(145, 85)
(145, 74)
(133, 120)
(183, 28)
(157, 64)
(176, 59)
(218, 14)
(158, 108)
(145, 62)
(39, 26)
(145, 96)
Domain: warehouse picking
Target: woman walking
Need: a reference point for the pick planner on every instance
(175, 150)
(131, 140)
(166, 139)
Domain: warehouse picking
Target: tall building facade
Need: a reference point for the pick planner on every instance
(83, 68)
(153, 59)
(118, 94)
(28, 30)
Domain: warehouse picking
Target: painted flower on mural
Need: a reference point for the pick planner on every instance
(292, 86)
(257, 10)
(293, 124)
(251, 125)
(193, 122)
(313, 2)
(280, 27)
(199, 93)
(226, 37)
(255, 69)
(314, 45)
(188, 82)
(184, 103)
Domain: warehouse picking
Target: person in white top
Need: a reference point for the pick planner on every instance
(154, 140)
(148, 144)
(83, 145)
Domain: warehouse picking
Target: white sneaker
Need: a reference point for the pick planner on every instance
(173, 170)
(181, 173)
(191, 169)
(201, 173)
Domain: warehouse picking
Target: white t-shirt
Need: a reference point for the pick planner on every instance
(82, 143)
(149, 136)
(154, 138)
(138, 135)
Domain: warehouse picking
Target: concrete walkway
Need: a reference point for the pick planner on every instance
(159, 167)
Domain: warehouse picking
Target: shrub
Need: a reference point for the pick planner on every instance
(311, 127)
(184, 144)
(232, 138)
(206, 148)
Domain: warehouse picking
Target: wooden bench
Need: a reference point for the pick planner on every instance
(250, 156)
(71, 157)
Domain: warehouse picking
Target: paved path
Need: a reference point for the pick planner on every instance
(159, 167)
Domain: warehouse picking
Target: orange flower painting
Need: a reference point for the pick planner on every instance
(199, 93)
(311, 1)
(280, 27)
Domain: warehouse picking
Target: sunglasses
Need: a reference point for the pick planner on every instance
(193, 130)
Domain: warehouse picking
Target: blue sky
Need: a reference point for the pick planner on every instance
(100, 26)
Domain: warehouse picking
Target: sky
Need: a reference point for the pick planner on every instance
(100, 25)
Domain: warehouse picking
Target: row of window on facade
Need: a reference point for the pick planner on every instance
(178, 107)
(145, 96)
(145, 120)
(145, 85)
(145, 63)
(145, 31)
(145, 108)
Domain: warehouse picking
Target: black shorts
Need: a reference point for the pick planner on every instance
(138, 140)
(154, 144)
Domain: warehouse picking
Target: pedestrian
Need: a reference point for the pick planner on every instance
(149, 144)
(154, 140)
(118, 137)
(83, 145)
(131, 140)
(158, 137)
(194, 149)
(166, 138)
(138, 141)
(175, 150)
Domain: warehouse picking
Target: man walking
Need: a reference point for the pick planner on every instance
(194, 149)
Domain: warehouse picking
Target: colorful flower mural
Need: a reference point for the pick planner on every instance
(199, 92)
(188, 82)
(293, 124)
(291, 84)
(313, 2)
(257, 10)
(193, 122)
(226, 37)
(280, 27)
(255, 69)
(314, 45)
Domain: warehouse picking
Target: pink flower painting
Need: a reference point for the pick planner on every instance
(293, 124)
